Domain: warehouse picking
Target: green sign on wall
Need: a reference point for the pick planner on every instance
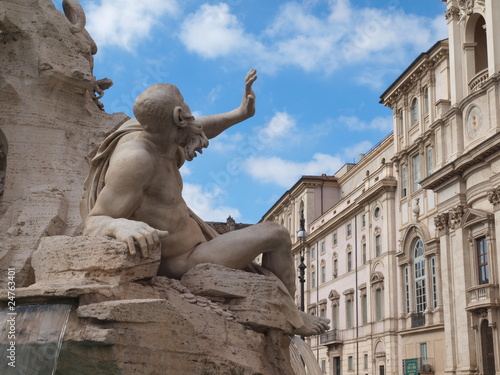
(411, 366)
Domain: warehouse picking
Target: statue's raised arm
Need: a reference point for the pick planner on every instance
(216, 124)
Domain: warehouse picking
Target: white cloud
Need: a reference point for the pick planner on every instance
(212, 31)
(352, 152)
(205, 203)
(280, 125)
(383, 124)
(300, 36)
(124, 23)
(285, 173)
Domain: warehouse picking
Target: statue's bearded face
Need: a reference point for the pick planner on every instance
(192, 138)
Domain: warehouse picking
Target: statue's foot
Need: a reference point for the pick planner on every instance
(313, 325)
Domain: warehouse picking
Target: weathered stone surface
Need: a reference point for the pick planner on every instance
(91, 258)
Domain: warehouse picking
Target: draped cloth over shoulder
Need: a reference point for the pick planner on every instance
(99, 165)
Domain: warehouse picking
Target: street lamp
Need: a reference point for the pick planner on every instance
(302, 234)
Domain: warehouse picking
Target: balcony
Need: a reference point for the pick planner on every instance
(418, 365)
(417, 320)
(331, 337)
(477, 81)
(482, 296)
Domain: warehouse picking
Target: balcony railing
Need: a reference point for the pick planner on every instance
(333, 336)
(417, 320)
(476, 82)
(482, 295)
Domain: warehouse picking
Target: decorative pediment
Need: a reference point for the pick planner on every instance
(333, 295)
(472, 217)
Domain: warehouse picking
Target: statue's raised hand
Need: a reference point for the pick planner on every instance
(247, 106)
(138, 233)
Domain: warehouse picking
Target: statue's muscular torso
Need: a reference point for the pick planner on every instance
(162, 206)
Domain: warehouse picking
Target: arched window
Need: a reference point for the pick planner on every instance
(419, 276)
(481, 50)
(414, 111)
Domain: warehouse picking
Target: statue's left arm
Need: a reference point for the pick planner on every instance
(216, 124)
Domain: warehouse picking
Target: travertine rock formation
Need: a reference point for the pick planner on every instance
(50, 121)
(145, 324)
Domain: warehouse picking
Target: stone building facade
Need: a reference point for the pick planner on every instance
(404, 258)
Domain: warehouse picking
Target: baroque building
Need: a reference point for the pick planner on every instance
(402, 251)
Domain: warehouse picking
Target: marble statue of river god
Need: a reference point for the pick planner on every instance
(133, 193)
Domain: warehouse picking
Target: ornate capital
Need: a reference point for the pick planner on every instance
(441, 221)
(451, 13)
(456, 215)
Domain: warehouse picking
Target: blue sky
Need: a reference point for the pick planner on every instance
(322, 65)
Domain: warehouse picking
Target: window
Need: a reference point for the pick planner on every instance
(335, 268)
(419, 264)
(376, 213)
(348, 312)
(313, 253)
(426, 101)
(407, 289)
(434, 281)
(349, 230)
(404, 183)
(415, 164)
(378, 245)
(365, 362)
(380, 304)
(363, 250)
(323, 247)
(482, 261)
(423, 353)
(414, 111)
(364, 308)
(335, 316)
(313, 278)
(350, 365)
(401, 123)
(323, 273)
(349, 261)
(335, 239)
(363, 220)
(430, 161)
(323, 366)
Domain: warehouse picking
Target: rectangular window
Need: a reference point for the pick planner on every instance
(313, 253)
(401, 123)
(348, 309)
(430, 161)
(350, 365)
(365, 362)
(380, 304)
(482, 261)
(335, 239)
(423, 353)
(335, 316)
(378, 246)
(335, 268)
(415, 165)
(313, 279)
(364, 308)
(323, 247)
(349, 261)
(323, 366)
(404, 182)
(323, 274)
(363, 249)
(349, 230)
(407, 289)
(434, 281)
(363, 220)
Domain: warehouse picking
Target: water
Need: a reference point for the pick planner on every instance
(302, 358)
(31, 338)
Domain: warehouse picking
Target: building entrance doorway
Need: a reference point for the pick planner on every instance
(487, 348)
